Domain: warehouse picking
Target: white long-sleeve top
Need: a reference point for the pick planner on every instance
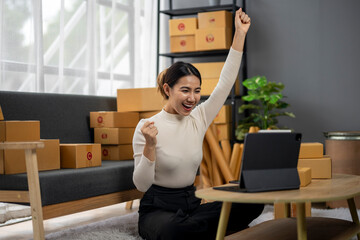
(180, 138)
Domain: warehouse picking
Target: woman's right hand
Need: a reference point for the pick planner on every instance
(149, 131)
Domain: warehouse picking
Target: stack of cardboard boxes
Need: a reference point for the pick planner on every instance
(209, 31)
(13, 161)
(115, 130)
(222, 123)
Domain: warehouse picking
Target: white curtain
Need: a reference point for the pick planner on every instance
(77, 46)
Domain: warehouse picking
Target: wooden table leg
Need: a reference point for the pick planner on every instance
(223, 221)
(301, 221)
(353, 212)
(34, 193)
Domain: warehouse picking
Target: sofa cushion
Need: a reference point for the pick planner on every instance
(64, 185)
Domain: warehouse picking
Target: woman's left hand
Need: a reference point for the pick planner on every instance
(242, 21)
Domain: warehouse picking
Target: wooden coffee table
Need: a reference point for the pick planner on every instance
(340, 187)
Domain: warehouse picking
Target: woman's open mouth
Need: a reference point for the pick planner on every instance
(187, 107)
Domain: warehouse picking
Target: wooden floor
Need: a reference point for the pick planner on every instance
(23, 230)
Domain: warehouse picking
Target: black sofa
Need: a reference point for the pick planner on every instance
(66, 117)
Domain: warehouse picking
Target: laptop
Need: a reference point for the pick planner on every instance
(269, 163)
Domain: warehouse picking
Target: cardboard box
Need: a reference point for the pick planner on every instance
(117, 152)
(48, 158)
(320, 167)
(113, 119)
(209, 69)
(224, 115)
(311, 150)
(139, 99)
(213, 39)
(80, 155)
(182, 26)
(1, 115)
(217, 19)
(113, 135)
(208, 85)
(19, 131)
(148, 114)
(305, 176)
(223, 131)
(182, 43)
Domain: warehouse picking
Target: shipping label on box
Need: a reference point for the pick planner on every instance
(224, 115)
(147, 114)
(213, 39)
(1, 115)
(113, 135)
(311, 150)
(19, 131)
(208, 85)
(139, 99)
(209, 69)
(48, 158)
(182, 26)
(320, 167)
(217, 19)
(80, 155)
(113, 119)
(117, 152)
(182, 43)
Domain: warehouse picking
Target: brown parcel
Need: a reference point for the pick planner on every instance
(147, 114)
(208, 86)
(182, 43)
(311, 150)
(48, 158)
(213, 38)
(139, 99)
(216, 19)
(113, 135)
(182, 26)
(80, 155)
(224, 115)
(113, 119)
(19, 131)
(305, 176)
(117, 152)
(320, 167)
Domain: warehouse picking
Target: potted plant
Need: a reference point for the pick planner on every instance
(264, 103)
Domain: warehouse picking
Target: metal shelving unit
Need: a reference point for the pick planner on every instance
(193, 11)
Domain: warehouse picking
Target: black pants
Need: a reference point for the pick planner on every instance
(171, 214)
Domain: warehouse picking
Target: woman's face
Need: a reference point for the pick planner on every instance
(183, 96)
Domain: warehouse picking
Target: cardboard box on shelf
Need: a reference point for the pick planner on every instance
(48, 158)
(305, 176)
(216, 19)
(208, 85)
(182, 43)
(213, 39)
(223, 131)
(209, 69)
(1, 115)
(224, 115)
(311, 150)
(113, 119)
(147, 114)
(182, 26)
(19, 131)
(139, 99)
(113, 135)
(117, 152)
(80, 155)
(320, 167)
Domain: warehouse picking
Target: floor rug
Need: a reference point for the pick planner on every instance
(125, 227)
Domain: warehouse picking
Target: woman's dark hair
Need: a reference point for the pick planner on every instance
(172, 74)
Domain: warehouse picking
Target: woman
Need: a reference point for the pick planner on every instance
(168, 151)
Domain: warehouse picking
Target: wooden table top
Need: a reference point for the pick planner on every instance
(341, 186)
(21, 145)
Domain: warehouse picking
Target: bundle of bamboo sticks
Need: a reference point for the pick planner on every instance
(221, 162)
